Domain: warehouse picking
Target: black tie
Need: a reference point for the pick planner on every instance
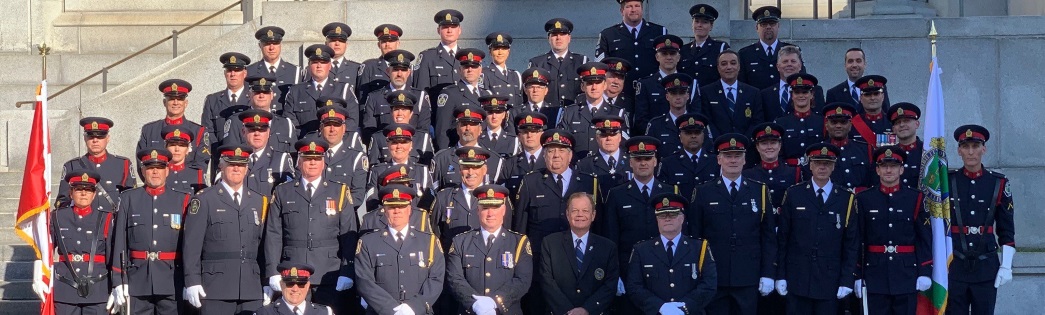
(295, 310)
(732, 99)
(694, 159)
(612, 162)
(770, 51)
(489, 242)
(579, 251)
(309, 189)
(594, 110)
(272, 69)
(733, 190)
(558, 184)
(336, 63)
(533, 161)
(535, 108)
(560, 60)
(453, 55)
(494, 136)
(233, 98)
(671, 252)
(645, 191)
(253, 159)
(505, 72)
(820, 195)
(235, 197)
(635, 33)
(319, 88)
(399, 239)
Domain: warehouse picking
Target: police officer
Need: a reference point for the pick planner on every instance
(303, 98)
(778, 99)
(497, 77)
(80, 234)
(896, 239)
(115, 171)
(770, 170)
(530, 126)
(632, 39)
(270, 42)
(693, 164)
(467, 92)
(268, 167)
(490, 268)
(145, 239)
(400, 269)
(847, 91)
(700, 57)
(736, 217)
(560, 63)
(499, 133)
(677, 87)
(804, 125)
(731, 105)
(607, 162)
(650, 95)
(282, 132)
(904, 117)
(578, 119)
(619, 88)
(981, 220)
(589, 286)
(221, 246)
(454, 208)
(444, 165)
(758, 60)
(181, 175)
(418, 149)
(384, 105)
(438, 67)
(372, 73)
(313, 219)
(399, 151)
(818, 237)
(295, 286)
(345, 160)
(854, 165)
(871, 125)
(535, 85)
(671, 274)
(396, 193)
(341, 68)
(175, 101)
(219, 106)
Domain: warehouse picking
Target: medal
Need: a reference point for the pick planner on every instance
(176, 221)
(838, 221)
(257, 221)
(754, 206)
(331, 207)
(693, 267)
(421, 259)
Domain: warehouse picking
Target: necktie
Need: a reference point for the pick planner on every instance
(770, 51)
(453, 54)
(645, 191)
(635, 33)
(319, 88)
(594, 110)
(505, 73)
(234, 98)
(309, 189)
(336, 64)
(399, 239)
(235, 197)
(612, 162)
(733, 190)
(671, 251)
(732, 99)
(694, 158)
(579, 251)
(785, 97)
(489, 242)
(820, 195)
(535, 108)
(253, 159)
(558, 184)
(296, 310)
(493, 136)
(272, 69)
(533, 161)
(560, 60)
(856, 96)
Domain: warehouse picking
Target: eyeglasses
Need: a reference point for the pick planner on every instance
(300, 284)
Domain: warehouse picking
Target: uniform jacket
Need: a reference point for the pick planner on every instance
(541, 206)
(617, 41)
(116, 176)
(74, 238)
(564, 83)
(320, 230)
(222, 243)
(701, 62)
(377, 113)
(388, 275)
(690, 277)
(742, 229)
(818, 242)
(503, 272)
(894, 219)
(142, 228)
(972, 196)
(627, 217)
(300, 105)
(199, 150)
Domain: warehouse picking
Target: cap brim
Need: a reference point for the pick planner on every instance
(295, 279)
(491, 202)
(400, 137)
(153, 163)
(100, 133)
(643, 154)
(823, 158)
(556, 144)
(235, 159)
(667, 210)
(471, 163)
(395, 202)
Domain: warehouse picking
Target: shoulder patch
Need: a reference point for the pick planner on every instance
(194, 206)
(451, 251)
(361, 66)
(1008, 193)
(417, 63)
(359, 245)
(638, 87)
(528, 250)
(366, 163)
(442, 99)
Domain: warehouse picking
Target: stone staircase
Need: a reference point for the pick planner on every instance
(16, 258)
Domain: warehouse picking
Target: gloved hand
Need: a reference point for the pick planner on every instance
(266, 295)
(781, 287)
(362, 302)
(344, 283)
(859, 284)
(924, 283)
(117, 299)
(843, 291)
(765, 285)
(1005, 272)
(671, 309)
(195, 295)
(1004, 276)
(39, 287)
(620, 287)
(274, 283)
(484, 305)
(403, 309)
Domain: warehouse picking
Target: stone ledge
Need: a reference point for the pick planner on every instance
(146, 18)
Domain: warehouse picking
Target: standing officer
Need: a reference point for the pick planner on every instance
(372, 73)
(560, 63)
(377, 220)
(220, 106)
(530, 126)
(854, 169)
(904, 117)
(736, 213)
(499, 133)
(282, 132)
(672, 274)
(396, 101)
(270, 41)
(345, 161)
(175, 101)
(467, 92)
(268, 167)
(694, 164)
(981, 224)
(535, 85)
(699, 57)
(896, 239)
(399, 269)
(400, 137)
(114, 170)
(181, 176)
(221, 246)
(146, 254)
(295, 287)
(444, 165)
(496, 76)
(341, 68)
(804, 125)
(314, 220)
(418, 149)
(607, 162)
(578, 119)
(678, 88)
(454, 208)
(758, 60)
(770, 170)
(80, 234)
(847, 91)
(438, 67)
(731, 105)
(619, 89)
(631, 40)
(303, 98)
(490, 268)
(589, 286)
(871, 125)
(818, 238)
(650, 94)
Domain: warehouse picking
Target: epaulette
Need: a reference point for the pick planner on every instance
(418, 230)
(996, 174)
(190, 193)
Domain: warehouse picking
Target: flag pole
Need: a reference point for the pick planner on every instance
(44, 51)
(932, 35)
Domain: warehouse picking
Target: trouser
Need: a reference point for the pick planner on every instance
(800, 305)
(851, 304)
(772, 304)
(79, 309)
(533, 301)
(886, 304)
(341, 302)
(229, 307)
(975, 298)
(154, 305)
(734, 300)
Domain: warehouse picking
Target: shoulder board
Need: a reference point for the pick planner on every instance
(952, 171)
(995, 174)
(178, 190)
(207, 189)
(260, 194)
(419, 231)
(514, 232)
(754, 181)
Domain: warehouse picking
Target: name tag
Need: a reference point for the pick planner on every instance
(465, 255)
(290, 201)
(714, 103)
(873, 211)
(655, 94)
(438, 67)
(626, 207)
(540, 196)
(800, 208)
(647, 266)
(616, 40)
(743, 204)
(754, 64)
(220, 210)
(379, 255)
(713, 203)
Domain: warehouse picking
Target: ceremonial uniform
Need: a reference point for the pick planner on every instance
(505, 145)
(376, 221)
(114, 170)
(507, 82)
(437, 67)
(199, 149)
(871, 128)
(700, 60)
(578, 121)
(777, 176)
(281, 307)
(447, 103)
(636, 47)
(219, 106)
(285, 73)
(282, 133)
(294, 275)
(392, 274)
(81, 237)
(502, 140)
(421, 153)
(502, 270)
(455, 210)
(681, 170)
(183, 177)
(377, 112)
(912, 165)
(372, 74)
(847, 92)
(416, 176)
(627, 216)
(303, 99)
(779, 104)
(591, 284)
(344, 71)
(269, 168)
(445, 167)
(348, 166)
(612, 169)
(650, 92)
(564, 82)
(800, 131)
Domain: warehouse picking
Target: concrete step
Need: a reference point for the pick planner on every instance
(67, 68)
(16, 271)
(20, 306)
(99, 39)
(16, 252)
(17, 290)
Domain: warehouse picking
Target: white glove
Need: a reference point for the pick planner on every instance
(484, 305)
(344, 283)
(620, 287)
(274, 283)
(403, 309)
(860, 284)
(670, 309)
(765, 285)
(1005, 272)
(266, 295)
(1004, 276)
(195, 295)
(117, 299)
(843, 291)
(781, 287)
(924, 283)
(39, 287)
(362, 302)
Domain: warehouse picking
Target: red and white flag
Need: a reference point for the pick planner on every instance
(32, 223)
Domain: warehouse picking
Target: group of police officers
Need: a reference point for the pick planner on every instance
(444, 184)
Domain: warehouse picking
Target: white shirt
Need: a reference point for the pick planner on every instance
(637, 28)
(320, 83)
(535, 154)
(539, 105)
(648, 185)
(674, 242)
(564, 54)
(486, 235)
(595, 106)
(393, 231)
(271, 65)
(852, 86)
(237, 93)
(584, 241)
(315, 184)
(690, 155)
(770, 47)
(301, 306)
(726, 87)
(448, 48)
(467, 194)
(334, 148)
(392, 88)
(827, 188)
(234, 192)
(499, 131)
(258, 153)
(784, 88)
(566, 175)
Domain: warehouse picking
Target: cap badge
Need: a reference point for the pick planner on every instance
(395, 193)
(667, 42)
(85, 178)
(870, 82)
(270, 34)
(500, 38)
(677, 82)
(769, 130)
(257, 118)
(319, 52)
(607, 123)
(263, 81)
(529, 119)
(490, 193)
(701, 10)
(536, 75)
(558, 24)
(968, 133)
(174, 87)
(152, 155)
(232, 59)
(471, 153)
(448, 17)
(799, 81)
(593, 71)
(402, 170)
(665, 202)
(555, 136)
(467, 112)
(899, 111)
(838, 111)
(330, 102)
(888, 153)
(399, 131)
(642, 146)
(385, 31)
(399, 58)
(619, 66)
(765, 13)
(94, 125)
(177, 133)
(823, 151)
(732, 142)
(294, 272)
(311, 146)
(239, 151)
(493, 101)
(337, 30)
(330, 113)
(692, 121)
(471, 56)
(402, 97)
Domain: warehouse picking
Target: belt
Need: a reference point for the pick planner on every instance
(971, 230)
(80, 258)
(891, 249)
(141, 254)
(310, 244)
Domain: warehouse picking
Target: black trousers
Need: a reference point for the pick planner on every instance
(965, 298)
(885, 304)
(229, 307)
(79, 309)
(734, 301)
(772, 304)
(154, 305)
(798, 305)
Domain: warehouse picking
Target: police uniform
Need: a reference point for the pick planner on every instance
(700, 60)
(853, 168)
(592, 281)
(152, 133)
(268, 169)
(564, 83)
(873, 129)
(681, 272)
(626, 98)
(779, 104)
(736, 219)
(377, 110)
(146, 241)
(346, 162)
(298, 273)
(282, 132)
(777, 175)
(303, 98)
(503, 82)
(436, 67)
(341, 69)
(818, 242)
(663, 128)
(375, 221)
(445, 163)
(612, 169)
(896, 241)
(545, 107)
(800, 129)
(455, 210)
(848, 92)
(503, 142)
(912, 165)
(372, 74)
(421, 152)
(81, 237)
(414, 175)
(523, 163)
(222, 244)
(651, 95)
(735, 113)
(578, 118)
(219, 106)
(183, 177)
(982, 220)
(115, 170)
(286, 74)
(685, 169)
(637, 48)
(452, 97)
(497, 265)
(392, 274)
(757, 68)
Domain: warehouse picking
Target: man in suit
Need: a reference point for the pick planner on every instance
(535, 87)
(490, 268)
(372, 72)
(530, 126)
(220, 106)
(777, 98)
(694, 164)
(904, 117)
(438, 67)
(496, 76)
(700, 57)
(466, 92)
(731, 105)
(268, 167)
(607, 161)
(561, 64)
(854, 165)
(650, 95)
(341, 68)
(295, 286)
(758, 60)
(378, 109)
(631, 40)
(736, 217)
(870, 123)
(847, 91)
(818, 238)
(804, 125)
(589, 285)
(282, 132)
(671, 274)
(175, 102)
(270, 42)
(619, 87)
(577, 120)
(116, 172)
(303, 98)
(402, 106)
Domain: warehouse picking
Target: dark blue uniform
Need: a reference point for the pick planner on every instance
(389, 274)
(377, 113)
(774, 108)
(777, 176)
(564, 83)
(542, 208)
(700, 60)
(896, 246)
(270, 169)
(286, 74)
(610, 175)
(759, 69)
(115, 172)
(651, 99)
(435, 69)
(690, 277)
(282, 133)
(678, 169)
(518, 166)
(912, 165)
(502, 271)
(371, 77)
(218, 108)
(422, 184)
(77, 234)
(617, 41)
(853, 168)
(279, 307)
(449, 98)
(578, 120)
(422, 152)
(376, 221)
(199, 149)
(509, 85)
(186, 178)
(349, 166)
(301, 104)
(627, 217)
(843, 92)
(455, 211)
(800, 131)
(446, 169)
(506, 144)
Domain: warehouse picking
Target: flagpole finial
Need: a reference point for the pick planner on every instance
(932, 35)
(44, 49)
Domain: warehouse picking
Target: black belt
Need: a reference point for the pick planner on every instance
(310, 244)
(81, 284)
